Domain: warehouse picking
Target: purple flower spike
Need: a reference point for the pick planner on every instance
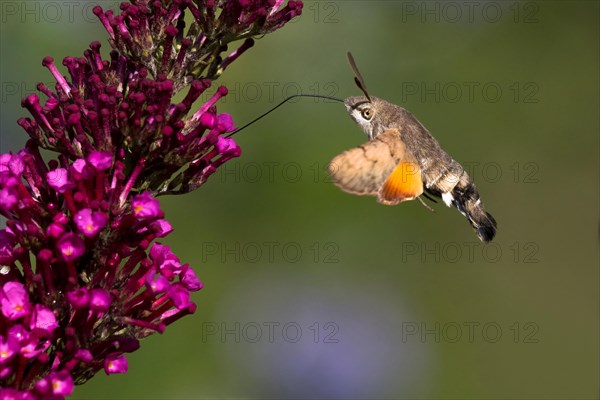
(82, 279)
(224, 22)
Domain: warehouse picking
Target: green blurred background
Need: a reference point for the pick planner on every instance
(353, 299)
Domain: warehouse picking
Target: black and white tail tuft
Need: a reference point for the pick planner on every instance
(465, 197)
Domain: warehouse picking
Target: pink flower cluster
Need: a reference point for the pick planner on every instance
(82, 277)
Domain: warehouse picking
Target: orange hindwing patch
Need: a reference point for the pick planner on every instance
(404, 183)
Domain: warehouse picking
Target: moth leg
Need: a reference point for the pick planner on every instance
(425, 204)
(429, 197)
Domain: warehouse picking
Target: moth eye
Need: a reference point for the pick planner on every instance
(367, 113)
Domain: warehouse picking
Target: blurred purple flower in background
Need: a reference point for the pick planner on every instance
(82, 277)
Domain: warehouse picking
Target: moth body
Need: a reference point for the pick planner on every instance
(402, 161)
(409, 162)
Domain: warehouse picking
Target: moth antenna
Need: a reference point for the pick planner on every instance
(279, 105)
(358, 79)
(425, 204)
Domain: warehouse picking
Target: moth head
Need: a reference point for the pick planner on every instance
(367, 113)
(364, 110)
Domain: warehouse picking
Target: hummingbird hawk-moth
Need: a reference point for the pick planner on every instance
(401, 161)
